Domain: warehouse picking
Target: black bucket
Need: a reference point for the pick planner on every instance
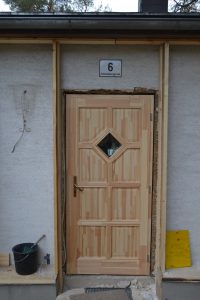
(26, 258)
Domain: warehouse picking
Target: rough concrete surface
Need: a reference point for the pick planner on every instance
(28, 292)
(111, 295)
(181, 290)
(142, 288)
(67, 295)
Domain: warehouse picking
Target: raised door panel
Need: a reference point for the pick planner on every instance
(126, 168)
(127, 123)
(92, 168)
(92, 122)
(125, 242)
(93, 204)
(92, 241)
(125, 204)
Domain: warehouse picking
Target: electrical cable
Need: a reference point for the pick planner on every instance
(24, 121)
(21, 136)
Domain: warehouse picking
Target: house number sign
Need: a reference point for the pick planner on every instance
(110, 68)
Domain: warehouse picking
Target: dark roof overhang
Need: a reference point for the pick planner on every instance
(101, 24)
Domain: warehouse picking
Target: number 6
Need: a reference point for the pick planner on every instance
(110, 67)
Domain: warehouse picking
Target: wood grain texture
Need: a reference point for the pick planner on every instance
(108, 221)
(93, 41)
(164, 152)
(44, 275)
(125, 204)
(127, 123)
(121, 170)
(4, 259)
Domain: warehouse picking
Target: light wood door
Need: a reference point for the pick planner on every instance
(109, 171)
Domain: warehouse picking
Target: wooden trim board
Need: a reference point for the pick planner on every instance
(25, 41)
(57, 165)
(162, 156)
(44, 275)
(4, 259)
(162, 167)
(96, 41)
(165, 96)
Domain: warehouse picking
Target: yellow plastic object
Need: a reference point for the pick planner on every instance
(178, 249)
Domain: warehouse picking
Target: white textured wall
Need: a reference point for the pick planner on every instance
(26, 176)
(80, 66)
(183, 204)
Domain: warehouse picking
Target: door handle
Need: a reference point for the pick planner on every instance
(77, 187)
(81, 189)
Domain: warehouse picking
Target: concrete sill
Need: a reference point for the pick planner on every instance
(187, 274)
(44, 275)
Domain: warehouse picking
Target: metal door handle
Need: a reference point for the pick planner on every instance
(77, 187)
(81, 189)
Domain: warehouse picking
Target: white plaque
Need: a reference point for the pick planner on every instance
(110, 68)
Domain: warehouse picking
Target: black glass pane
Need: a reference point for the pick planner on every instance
(109, 145)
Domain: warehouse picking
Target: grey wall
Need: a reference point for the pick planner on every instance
(26, 176)
(80, 67)
(180, 290)
(30, 292)
(183, 204)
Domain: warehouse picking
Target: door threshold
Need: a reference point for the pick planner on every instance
(86, 281)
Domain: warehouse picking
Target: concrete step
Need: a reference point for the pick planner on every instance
(108, 287)
(111, 295)
(86, 281)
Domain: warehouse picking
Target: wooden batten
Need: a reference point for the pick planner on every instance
(25, 41)
(162, 166)
(165, 92)
(158, 209)
(57, 164)
(4, 259)
(110, 41)
(54, 84)
(99, 41)
(162, 155)
(185, 42)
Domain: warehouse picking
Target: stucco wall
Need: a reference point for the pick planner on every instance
(26, 176)
(80, 66)
(183, 203)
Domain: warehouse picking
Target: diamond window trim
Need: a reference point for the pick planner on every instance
(109, 145)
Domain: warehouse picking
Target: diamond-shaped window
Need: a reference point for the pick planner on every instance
(109, 145)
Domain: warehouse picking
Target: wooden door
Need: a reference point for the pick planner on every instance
(109, 171)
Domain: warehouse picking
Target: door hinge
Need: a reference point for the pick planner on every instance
(151, 117)
(148, 258)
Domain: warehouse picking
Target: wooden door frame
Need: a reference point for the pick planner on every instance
(155, 94)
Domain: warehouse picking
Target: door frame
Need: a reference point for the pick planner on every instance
(155, 165)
